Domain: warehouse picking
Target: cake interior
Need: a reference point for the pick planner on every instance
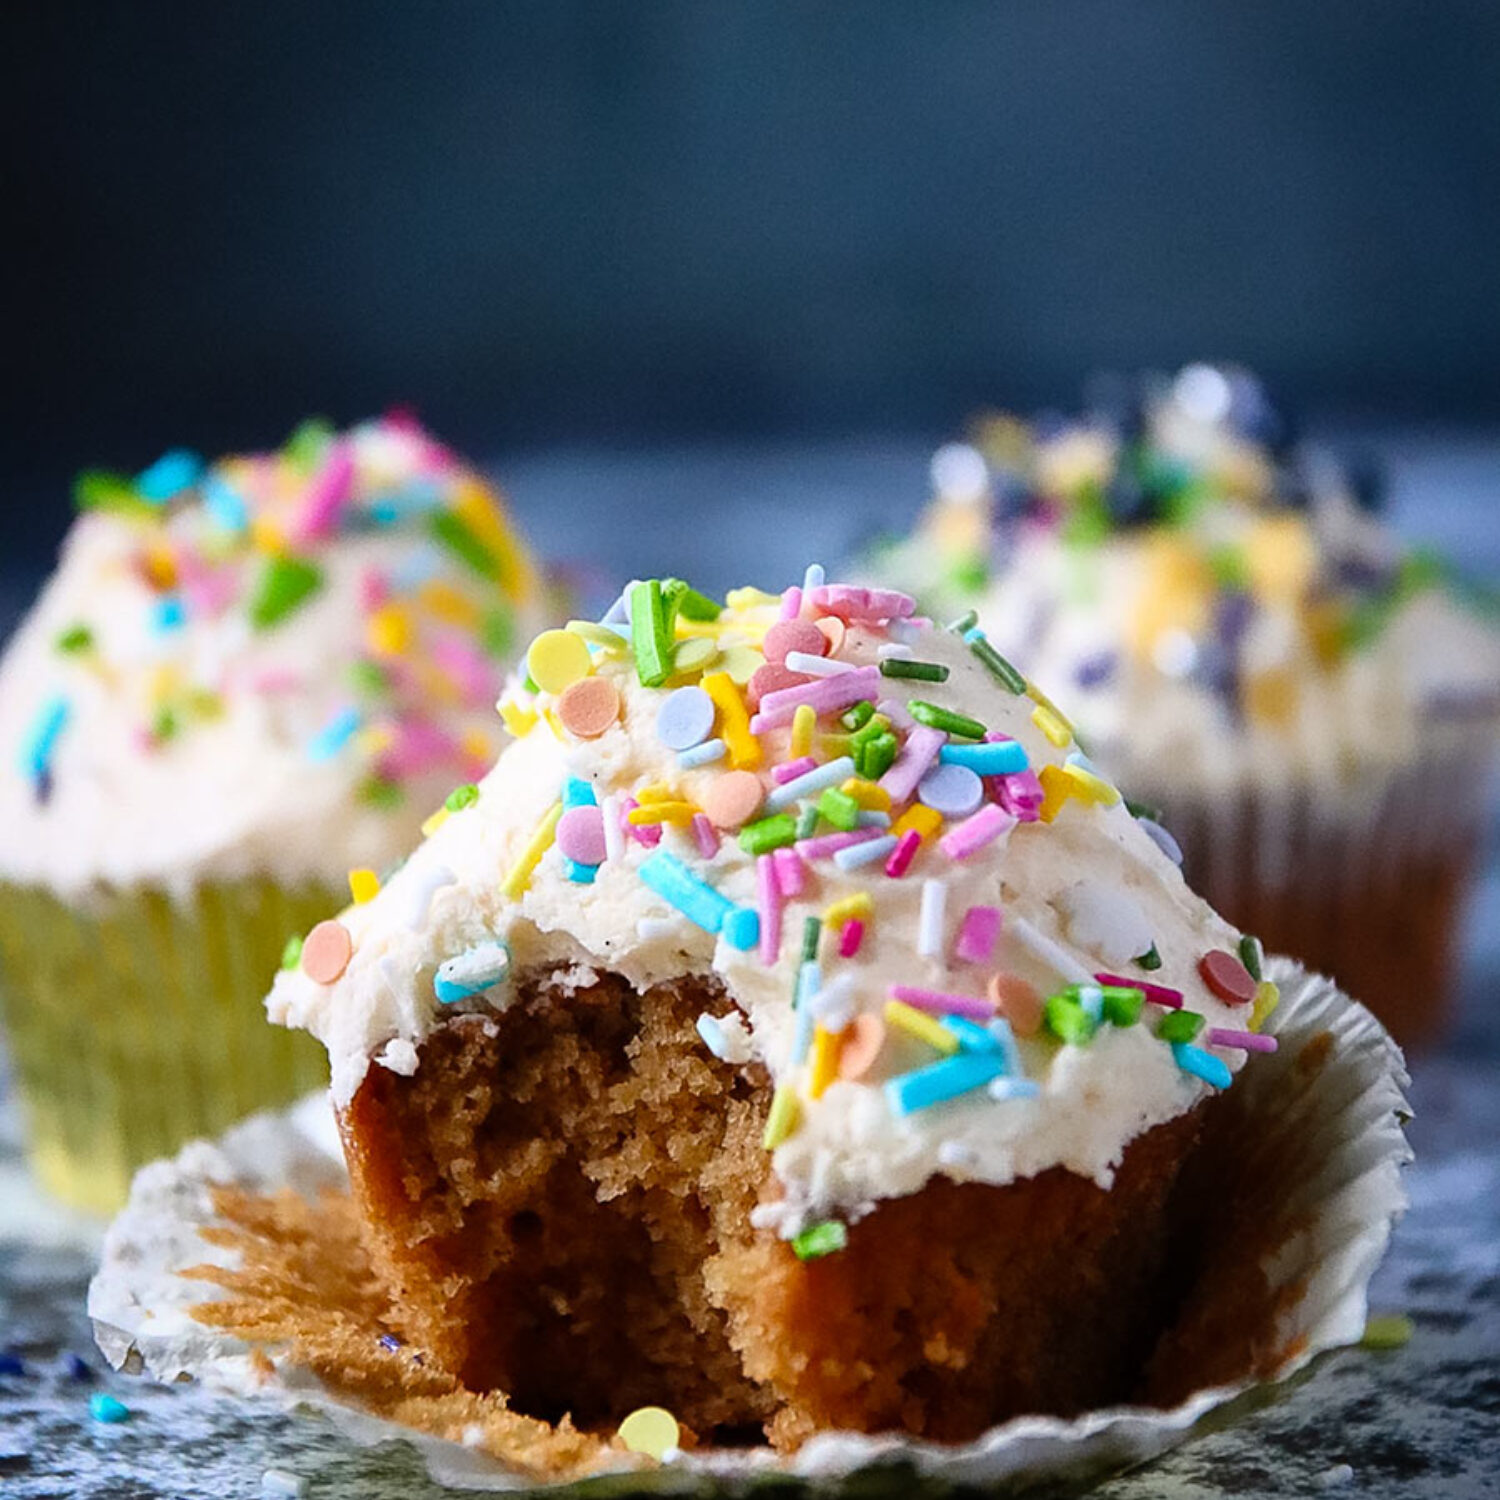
(559, 1204)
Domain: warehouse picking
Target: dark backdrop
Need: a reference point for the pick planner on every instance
(635, 220)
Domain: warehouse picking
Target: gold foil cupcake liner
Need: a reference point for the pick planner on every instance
(1301, 1180)
(135, 1022)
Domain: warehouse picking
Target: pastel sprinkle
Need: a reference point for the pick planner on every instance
(364, 885)
(1244, 1041)
(912, 763)
(818, 1240)
(945, 719)
(824, 695)
(862, 1041)
(804, 722)
(816, 666)
(1267, 998)
(705, 835)
(953, 790)
(781, 1118)
(471, 972)
(326, 952)
(589, 706)
(826, 845)
(1179, 1026)
(734, 722)
(930, 918)
(768, 904)
(698, 901)
(41, 739)
(993, 758)
(518, 877)
(1252, 956)
(650, 1430)
(918, 1024)
(650, 636)
(732, 799)
(977, 934)
(1157, 994)
(902, 855)
(809, 783)
(685, 718)
(286, 583)
(851, 935)
(1052, 724)
(557, 659)
(580, 835)
(1227, 977)
(988, 824)
(334, 735)
(1040, 946)
(788, 636)
(995, 664)
(938, 1002)
(853, 856)
(825, 1061)
(767, 834)
(105, 1408)
(1202, 1065)
(948, 1079)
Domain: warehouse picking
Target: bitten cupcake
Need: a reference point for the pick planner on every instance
(1312, 706)
(232, 706)
(794, 1031)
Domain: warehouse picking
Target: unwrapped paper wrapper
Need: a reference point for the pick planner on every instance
(1307, 1148)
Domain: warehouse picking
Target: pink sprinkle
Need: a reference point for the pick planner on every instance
(420, 746)
(851, 603)
(1157, 994)
(275, 680)
(706, 834)
(374, 590)
(1246, 1041)
(329, 492)
(978, 933)
(770, 908)
(983, 827)
(469, 670)
(824, 694)
(825, 845)
(903, 854)
(792, 769)
(896, 713)
(911, 765)
(791, 604)
(648, 834)
(210, 591)
(940, 1004)
(851, 935)
(791, 873)
(1020, 794)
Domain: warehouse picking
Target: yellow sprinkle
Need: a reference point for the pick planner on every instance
(834, 745)
(1053, 725)
(372, 740)
(434, 821)
(651, 1430)
(858, 905)
(557, 659)
(519, 875)
(388, 630)
(364, 885)
(1089, 788)
(267, 536)
(601, 636)
(1056, 789)
(161, 567)
(825, 1061)
(480, 507)
(694, 656)
(449, 604)
(919, 1024)
(751, 598)
(554, 724)
(734, 722)
(1038, 697)
(697, 630)
(804, 721)
(1388, 1331)
(740, 663)
(781, 1119)
(1267, 998)
(656, 791)
(924, 819)
(869, 794)
(519, 721)
(647, 814)
(476, 745)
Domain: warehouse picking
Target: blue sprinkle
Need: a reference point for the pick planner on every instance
(172, 473)
(170, 614)
(872, 817)
(1161, 838)
(854, 855)
(742, 928)
(698, 901)
(1096, 669)
(956, 1075)
(395, 506)
(813, 578)
(802, 1037)
(579, 793)
(389, 1341)
(685, 718)
(1202, 1065)
(226, 505)
(999, 1028)
(104, 1408)
(470, 973)
(1091, 998)
(701, 755)
(713, 1036)
(39, 744)
(997, 758)
(809, 982)
(1079, 759)
(1014, 1088)
(334, 735)
(971, 1037)
(579, 874)
(415, 569)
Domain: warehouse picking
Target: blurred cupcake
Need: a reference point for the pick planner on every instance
(235, 702)
(1178, 570)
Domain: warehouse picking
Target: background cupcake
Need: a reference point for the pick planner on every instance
(233, 705)
(1179, 571)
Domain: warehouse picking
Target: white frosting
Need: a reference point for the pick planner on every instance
(849, 1147)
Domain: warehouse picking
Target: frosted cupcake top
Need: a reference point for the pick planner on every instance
(1197, 594)
(945, 935)
(267, 666)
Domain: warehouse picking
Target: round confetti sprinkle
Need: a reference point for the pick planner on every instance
(685, 719)
(741, 663)
(793, 635)
(580, 835)
(1227, 977)
(954, 791)
(833, 631)
(326, 951)
(589, 706)
(557, 659)
(694, 655)
(863, 1038)
(732, 799)
(1018, 1001)
(651, 1430)
(771, 678)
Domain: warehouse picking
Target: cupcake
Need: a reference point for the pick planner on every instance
(234, 703)
(1312, 707)
(795, 1031)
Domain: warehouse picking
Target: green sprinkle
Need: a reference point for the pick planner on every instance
(812, 935)
(1230, 568)
(497, 632)
(946, 720)
(75, 640)
(874, 758)
(839, 808)
(376, 791)
(291, 954)
(285, 584)
(1251, 956)
(1143, 810)
(692, 605)
(1179, 1026)
(972, 573)
(461, 797)
(1150, 960)
(650, 638)
(807, 821)
(1388, 1331)
(304, 449)
(454, 533)
(919, 671)
(820, 1239)
(871, 729)
(775, 832)
(530, 685)
(164, 725)
(965, 623)
(95, 489)
(998, 667)
(369, 677)
(1122, 1006)
(1067, 1020)
(857, 716)
(1089, 522)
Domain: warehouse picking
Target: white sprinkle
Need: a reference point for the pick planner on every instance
(814, 578)
(855, 855)
(894, 651)
(1004, 1088)
(649, 929)
(1104, 920)
(725, 1036)
(1337, 1475)
(1175, 653)
(895, 712)
(614, 835)
(956, 1154)
(1039, 945)
(701, 755)
(279, 1482)
(833, 1005)
(399, 1056)
(872, 817)
(904, 631)
(816, 666)
(422, 892)
(930, 918)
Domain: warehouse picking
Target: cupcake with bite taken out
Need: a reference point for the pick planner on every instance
(1312, 706)
(243, 690)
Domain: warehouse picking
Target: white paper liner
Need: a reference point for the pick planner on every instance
(1330, 1139)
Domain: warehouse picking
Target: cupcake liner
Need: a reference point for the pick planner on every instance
(1299, 1174)
(135, 1022)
